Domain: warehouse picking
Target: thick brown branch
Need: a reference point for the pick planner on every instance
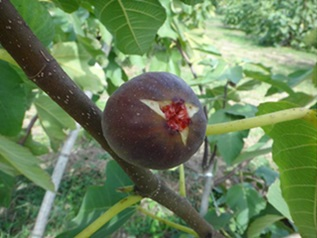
(45, 72)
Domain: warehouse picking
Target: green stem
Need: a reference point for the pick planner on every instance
(259, 121)
(110, 213)
(182, 183)
(169, 223)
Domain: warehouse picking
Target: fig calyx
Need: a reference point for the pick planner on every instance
(155, 121)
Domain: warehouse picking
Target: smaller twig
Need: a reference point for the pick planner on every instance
(229, 175)
(212, 157)
(28, 130)
(205, 155)
(186, 58)
(225, 95)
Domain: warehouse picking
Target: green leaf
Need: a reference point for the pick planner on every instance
(23, 161)
(294, 151)
(191, 2)
(68, 6)
(299, 76)
(274, 197)
(300, 99)
(249, 85)
(233, 74)
(133, 24)
(5, 56)
(247, 155)
(12, 101)
(266, 78)
(261, 223)
(166, 61)
(246, 110)
(7, 168)
(209, 49)
(74, 60)
(7, 184)
(246, 202)
(100, 198)
(218, 92)
(38, 19)
(229, 144)
(267, 174)
(218, 221)
(36, 147)
(53, 119)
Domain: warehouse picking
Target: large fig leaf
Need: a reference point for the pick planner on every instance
(295, 152)
(24, 162)
(133, 24)
(100, 198)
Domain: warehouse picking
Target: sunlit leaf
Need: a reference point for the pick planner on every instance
(53, 119)
(295, 152)
(74, 60)
(267, 78)
(23, 161)
(133, 24)
(274, 197)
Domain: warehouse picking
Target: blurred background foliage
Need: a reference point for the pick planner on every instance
(273, 22)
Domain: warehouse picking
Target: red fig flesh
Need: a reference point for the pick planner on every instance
(155, 121)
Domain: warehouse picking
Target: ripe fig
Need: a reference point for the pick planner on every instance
(155, 121)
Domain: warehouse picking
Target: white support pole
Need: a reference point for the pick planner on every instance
(48, 200)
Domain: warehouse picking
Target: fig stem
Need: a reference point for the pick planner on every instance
(259, 121)
(182, 183)
(110, 213)
(169, 223)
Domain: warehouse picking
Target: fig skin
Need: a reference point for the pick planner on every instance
(138, 134)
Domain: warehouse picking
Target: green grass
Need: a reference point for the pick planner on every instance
(18, 220)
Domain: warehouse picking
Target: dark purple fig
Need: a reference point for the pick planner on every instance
(155, 121)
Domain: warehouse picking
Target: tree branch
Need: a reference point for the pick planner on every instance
(28, 130)
(40, 67)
